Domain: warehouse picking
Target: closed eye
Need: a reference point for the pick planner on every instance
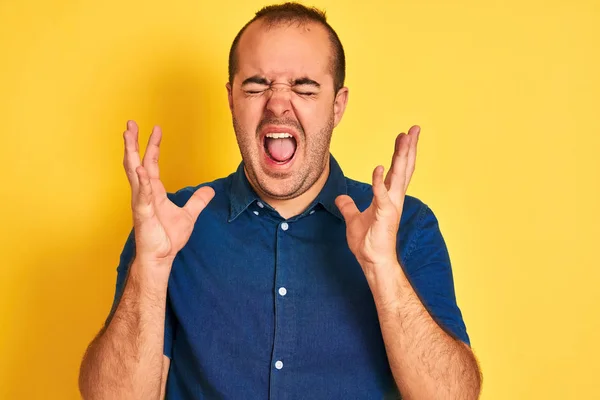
(305, 93)
(306, 87)
(255, 85)
(255, 89)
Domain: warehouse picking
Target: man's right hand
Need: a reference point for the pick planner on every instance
(161, 227)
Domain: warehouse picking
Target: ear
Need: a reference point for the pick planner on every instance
(229, 96)
(339, 105)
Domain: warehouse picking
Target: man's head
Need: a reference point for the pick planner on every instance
(286, 94)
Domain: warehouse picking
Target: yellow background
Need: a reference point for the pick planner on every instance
(507, 95)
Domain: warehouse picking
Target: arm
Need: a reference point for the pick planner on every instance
(165, 374)
(426, 362)
(125, 361)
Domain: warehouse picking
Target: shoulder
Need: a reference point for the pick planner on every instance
(220, 186)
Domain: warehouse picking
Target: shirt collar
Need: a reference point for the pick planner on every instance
(335, 186)
(242, 195)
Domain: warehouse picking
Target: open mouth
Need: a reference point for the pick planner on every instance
(280, 147)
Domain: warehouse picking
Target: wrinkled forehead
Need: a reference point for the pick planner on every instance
(285, 51)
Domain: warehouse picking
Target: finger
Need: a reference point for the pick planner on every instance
(388, 176)
(150, 161)
(412, 155)
(158, 190)
(143, 201)
(380, 192)
(199, 201)
(398, 177)
(131, 159)
(347, 207)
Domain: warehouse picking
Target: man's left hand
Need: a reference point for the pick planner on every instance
(372, 234)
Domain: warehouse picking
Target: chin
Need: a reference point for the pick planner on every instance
(281, 188)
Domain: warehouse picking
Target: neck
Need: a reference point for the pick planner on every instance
(291, 207)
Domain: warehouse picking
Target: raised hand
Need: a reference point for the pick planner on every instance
(161, 227)
(372, 234)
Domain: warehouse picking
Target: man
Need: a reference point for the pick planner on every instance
(284, 280)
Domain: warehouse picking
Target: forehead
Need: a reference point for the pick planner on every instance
(284, 51)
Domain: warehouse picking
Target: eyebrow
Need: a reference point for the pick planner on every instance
(260, 80)
(306, 81)
(256, 79)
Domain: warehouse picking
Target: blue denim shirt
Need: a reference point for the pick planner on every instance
(260, 307)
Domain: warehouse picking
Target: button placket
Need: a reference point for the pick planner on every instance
(285, 314)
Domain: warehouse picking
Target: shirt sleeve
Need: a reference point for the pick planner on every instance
(126, 258)
(428, 268)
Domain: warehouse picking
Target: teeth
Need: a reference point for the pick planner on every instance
(281, 135)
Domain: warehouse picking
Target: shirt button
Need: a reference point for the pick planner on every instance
(255, 212)
(261, 205)
(279, 365)
(282, 291)
(312, 212)
(284, 226)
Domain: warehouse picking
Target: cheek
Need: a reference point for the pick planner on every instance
(248, 113)
(313, 115)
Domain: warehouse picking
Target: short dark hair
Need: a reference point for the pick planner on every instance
(292, 12)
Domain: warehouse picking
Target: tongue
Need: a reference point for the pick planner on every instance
(281, 149)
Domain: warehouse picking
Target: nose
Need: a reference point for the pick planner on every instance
(279, 100)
